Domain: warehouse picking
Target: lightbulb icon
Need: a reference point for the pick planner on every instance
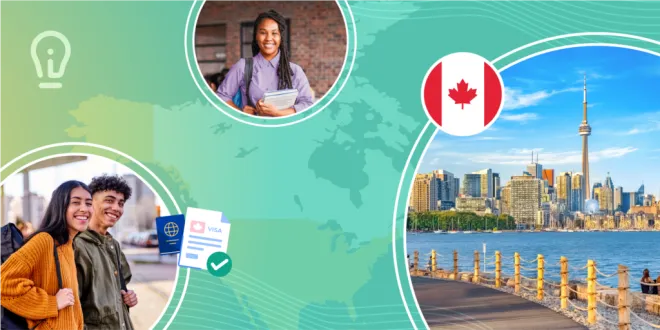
(52, 72)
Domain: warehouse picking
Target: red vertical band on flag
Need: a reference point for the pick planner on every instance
(492, 94)
(433, 94)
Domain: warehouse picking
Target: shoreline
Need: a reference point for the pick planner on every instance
(572, 231)
(577, 299)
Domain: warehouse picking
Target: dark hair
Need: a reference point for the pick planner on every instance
(110, 182)
(54, 220)
(284, 71)
(216, 78)
(646, 273)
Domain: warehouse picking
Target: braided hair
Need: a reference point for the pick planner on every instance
(284, 71)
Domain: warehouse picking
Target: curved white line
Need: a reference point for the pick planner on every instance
(570, 35)
(579, 45)
(396, 208)
(317, 111)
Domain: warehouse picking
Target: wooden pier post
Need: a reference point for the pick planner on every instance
(456, 265)
(475, 278)
(416, 262)
(516, 272)
(564, 283)
(498, 269)
(624, 299)
(433, 263)
(539, 277)
(591, 292)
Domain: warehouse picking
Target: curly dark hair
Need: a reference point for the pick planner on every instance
(110, 182)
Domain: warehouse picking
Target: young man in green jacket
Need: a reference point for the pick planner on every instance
(100, 261)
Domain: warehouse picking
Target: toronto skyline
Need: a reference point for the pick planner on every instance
(546, 98)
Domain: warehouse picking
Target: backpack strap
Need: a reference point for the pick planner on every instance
(247, 78)
(122, 281)
(57, 266)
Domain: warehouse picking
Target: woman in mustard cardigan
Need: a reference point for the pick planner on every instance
(28, 278)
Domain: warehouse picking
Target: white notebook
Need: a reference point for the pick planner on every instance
(282, 99)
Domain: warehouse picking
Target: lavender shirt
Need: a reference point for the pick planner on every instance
(264, 79)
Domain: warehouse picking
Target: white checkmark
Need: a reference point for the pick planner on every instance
(216, 267)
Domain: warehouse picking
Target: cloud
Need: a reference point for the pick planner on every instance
(514, 98)
(592, 75)
(523, 117)
(523, 156)
(648, 126)
(491, 138)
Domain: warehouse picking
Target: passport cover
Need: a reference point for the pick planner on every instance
(170, 233)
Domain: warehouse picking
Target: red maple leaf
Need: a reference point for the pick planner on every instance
(462, 96)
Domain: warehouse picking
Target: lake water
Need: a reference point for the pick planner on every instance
(637, 250)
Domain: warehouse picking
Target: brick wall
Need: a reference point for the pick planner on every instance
(318, 35)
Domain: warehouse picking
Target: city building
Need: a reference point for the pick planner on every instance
(472, 185)
(496, 185)
(505, 207)
(525, 201)
(477, 205)
(549, 175)
(618, 199)
(486, 182)
(424, 196)
(535, 169)
(446, 186)
(595, 191)
(564, 190)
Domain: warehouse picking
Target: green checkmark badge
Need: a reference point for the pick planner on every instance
(218, 264)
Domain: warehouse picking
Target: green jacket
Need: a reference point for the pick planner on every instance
(98, 280)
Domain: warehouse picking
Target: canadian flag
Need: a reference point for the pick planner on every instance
(462, 93)
(197, 227)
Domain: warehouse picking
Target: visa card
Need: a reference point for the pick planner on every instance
(170, 232)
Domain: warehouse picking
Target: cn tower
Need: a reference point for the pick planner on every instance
(585, 131)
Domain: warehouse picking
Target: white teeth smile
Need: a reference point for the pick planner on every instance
(83, 218)
(112, 216)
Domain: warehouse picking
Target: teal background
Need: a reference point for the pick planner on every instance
(317, 207)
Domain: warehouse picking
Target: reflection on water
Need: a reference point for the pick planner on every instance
(637, 250)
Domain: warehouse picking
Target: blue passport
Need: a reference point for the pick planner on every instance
(170, 233)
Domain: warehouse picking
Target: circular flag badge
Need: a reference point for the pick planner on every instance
(463, 94)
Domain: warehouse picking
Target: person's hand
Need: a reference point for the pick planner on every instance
(130, 298)
(266, 109)
(64, 298)
(249, 110)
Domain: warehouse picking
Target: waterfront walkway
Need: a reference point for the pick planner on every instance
(448, 304)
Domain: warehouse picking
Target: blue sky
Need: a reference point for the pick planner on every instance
(542, 112)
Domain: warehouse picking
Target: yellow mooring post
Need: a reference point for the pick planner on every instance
(564, 283)
(498, 268)
(516, 272)
(433, 263)
(539, 277)
(591, 292)
(624, 299)
(475, 278)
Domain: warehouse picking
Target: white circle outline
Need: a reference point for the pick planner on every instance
(563, 36)
(341, 87)
(499, 77)
(135, 161)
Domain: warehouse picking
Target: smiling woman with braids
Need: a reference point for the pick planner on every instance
(272, 71)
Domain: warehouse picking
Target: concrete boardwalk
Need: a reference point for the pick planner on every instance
(448, 304)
